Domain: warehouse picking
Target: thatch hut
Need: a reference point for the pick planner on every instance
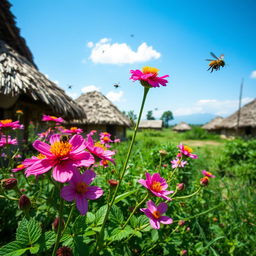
(22, 86)
(151, 124)
(102, 115)
(212, 126)
(181, 127)
(247, 122)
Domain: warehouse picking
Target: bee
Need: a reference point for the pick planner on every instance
(64, 138)
(116, 85)
(69, 86)
(217, 63)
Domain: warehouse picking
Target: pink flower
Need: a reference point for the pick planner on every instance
(80, 191)
(8, 123)
(99, 150)
(19, 168)
(53, 119)
(207, 174)
(178, 163)
(72, 130)
(154, 213)
(148, 77)
(91, 133)
(117, 140)
(63, 156)
(186, 151)
(104, 163)
(157, 185)
(8, 141)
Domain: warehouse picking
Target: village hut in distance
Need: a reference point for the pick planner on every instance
(151, 124)
(101, 115)
(212, 126)
(181, 127)
(240, 124)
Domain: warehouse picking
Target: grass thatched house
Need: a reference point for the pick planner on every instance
(22, 86)
(212, 126)
(247, 122)
(151, 124)
(181, 127)
(102, 115)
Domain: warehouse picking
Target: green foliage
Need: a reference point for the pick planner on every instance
(166, 117)
(150, 115)
(198, 133)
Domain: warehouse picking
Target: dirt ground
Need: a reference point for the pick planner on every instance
(200, 143)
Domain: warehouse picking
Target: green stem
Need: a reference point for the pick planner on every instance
(184, 197)
(134, 210)
(100, 237)
(69, 219)
(59, 233)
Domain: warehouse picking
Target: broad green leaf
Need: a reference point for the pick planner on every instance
(100, 214)
(137, 233)
(34, 249)
(12, 249)
(123, 196)
(79, 225)
(28, 232)
(154, 235)
(90, 217)
(133, 221)
(119, 233)
(116, 215)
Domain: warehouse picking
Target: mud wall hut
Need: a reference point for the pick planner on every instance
(181, 127)
(101, 115)
(212, 126)
(151, 124)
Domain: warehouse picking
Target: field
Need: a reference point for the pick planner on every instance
(212, 218)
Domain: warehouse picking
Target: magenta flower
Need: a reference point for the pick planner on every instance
(8, 141)
(186, 151)
(91, 133)
(157, 185)
(148, 77)
(72, 130)
(207, 174)
(117, 140)
(105, 137)
(62, 156)
(99, 150)
(80, 191)
(47, 118)
(178, 163)
(19, 168)
(154, 213)
(8, 123)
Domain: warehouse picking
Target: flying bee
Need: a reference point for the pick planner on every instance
(64, 138)
(116, 85)
(217, 63)
(69, 86)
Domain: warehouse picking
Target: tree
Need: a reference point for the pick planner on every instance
(150, 115)
(166, 117)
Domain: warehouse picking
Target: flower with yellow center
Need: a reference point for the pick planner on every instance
(20, 166)
(6, 121)
(60, 149)
(150, 70)
(188, 149)
(156, 186)
(41, 156)
(156, 214)
(19, 112)
(99, 145)
(73, 128)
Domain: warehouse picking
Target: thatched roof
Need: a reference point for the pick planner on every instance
(151, 124)
(182, 126)
(100, 110)
(247, 117)
(212, 125)
(18, 77)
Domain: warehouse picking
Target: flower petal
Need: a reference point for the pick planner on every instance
(78, 143)
(54, 138)
(143, 183)
(162, 208)
(39, 167)
(154, 223)
(165, 220)
(68, 193)
(93, 193)
(82, 204)
(151, 206)
(63, 172)
(88, 176)
(42, 147)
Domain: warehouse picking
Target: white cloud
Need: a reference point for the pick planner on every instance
(73, 95)
(105, 52)
(211, 106)
(90, 88)
(253, 74)
(115, 96)
(90, 44)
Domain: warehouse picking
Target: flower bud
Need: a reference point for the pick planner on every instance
(24, 203)
(188, 229)
(163, 152)
(204, 181)
(56, 222)
(183, 252)
(9, 184)
(113, 183)
(165, 165)
(181, 223)
(180, 186)
(64, 251)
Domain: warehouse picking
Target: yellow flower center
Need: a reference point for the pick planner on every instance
(148, 70)
(19, 112)
(156, 214)
(106, 139)
(6, 121)
(99, 145)
(81, 187)
(41, 156)
(20, 166)
(105, 162)
(156, 186)
(208, 173)
(188, 149)
(53, 117)
(60, 149)
(73, 128)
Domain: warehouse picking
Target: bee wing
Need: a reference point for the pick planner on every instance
(221, 57)
(209, 60)
(214, 56)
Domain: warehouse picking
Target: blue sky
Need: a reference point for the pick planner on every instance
(94, 44)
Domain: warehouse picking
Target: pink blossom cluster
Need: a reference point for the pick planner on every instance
(9, 124)
(7, 141)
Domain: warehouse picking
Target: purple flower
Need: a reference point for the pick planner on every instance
(80, 191)
(178, 163)
(154, 213)
(157, 185)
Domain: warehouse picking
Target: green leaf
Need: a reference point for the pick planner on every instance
(100, 214)
(119, 233)
(154, 235)
(90, 217)
(133, 221)
(28, 232)
(34, 249)
(123, 196)
(137, 233)
(12, 249)
(116, 215)
(79, 225)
